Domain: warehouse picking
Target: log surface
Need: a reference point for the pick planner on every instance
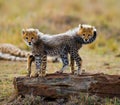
(64, 85)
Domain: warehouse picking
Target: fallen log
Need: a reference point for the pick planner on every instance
(64, 85)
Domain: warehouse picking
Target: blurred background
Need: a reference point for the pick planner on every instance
(57, 16)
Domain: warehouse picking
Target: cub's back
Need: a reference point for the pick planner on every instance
(56, 40)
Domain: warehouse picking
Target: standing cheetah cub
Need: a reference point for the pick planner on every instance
(58, 45)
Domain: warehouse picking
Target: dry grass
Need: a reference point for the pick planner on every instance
(92, 63)
(55, 16)
(82, 99)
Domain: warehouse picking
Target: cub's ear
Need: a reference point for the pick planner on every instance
(23, 31)
(37, 31)
(92, 28)
(80, 26)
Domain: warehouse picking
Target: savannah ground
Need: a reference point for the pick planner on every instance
(52, 16)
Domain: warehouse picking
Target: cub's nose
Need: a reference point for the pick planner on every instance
(29, 43)
(86, 40)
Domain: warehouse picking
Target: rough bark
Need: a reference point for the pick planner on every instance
(64, 85)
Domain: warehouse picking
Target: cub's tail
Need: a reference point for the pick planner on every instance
(13, 50)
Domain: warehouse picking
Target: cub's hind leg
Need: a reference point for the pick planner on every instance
(30, 59)
(72, 64)
(64, 57)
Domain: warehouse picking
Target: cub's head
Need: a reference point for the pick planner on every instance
(86, 32)
(30, 36)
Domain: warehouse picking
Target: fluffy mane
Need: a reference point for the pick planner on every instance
(75, 30)
(58, 39)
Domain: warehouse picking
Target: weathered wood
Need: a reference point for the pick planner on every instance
(64, 85)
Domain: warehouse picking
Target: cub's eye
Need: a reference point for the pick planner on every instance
(26, 37)
(83, 34)
(89, 35)
(32, 38)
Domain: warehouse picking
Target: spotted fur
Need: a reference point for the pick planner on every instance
(58, 45)
(13, 50)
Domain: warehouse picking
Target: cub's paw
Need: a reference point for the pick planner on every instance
(42, 74)
(73, 72)
(77, 73)
(28, 75)
(59, 72)
(34, 75)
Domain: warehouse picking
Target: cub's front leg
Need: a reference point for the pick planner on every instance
(41, 62)
(74, 54)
